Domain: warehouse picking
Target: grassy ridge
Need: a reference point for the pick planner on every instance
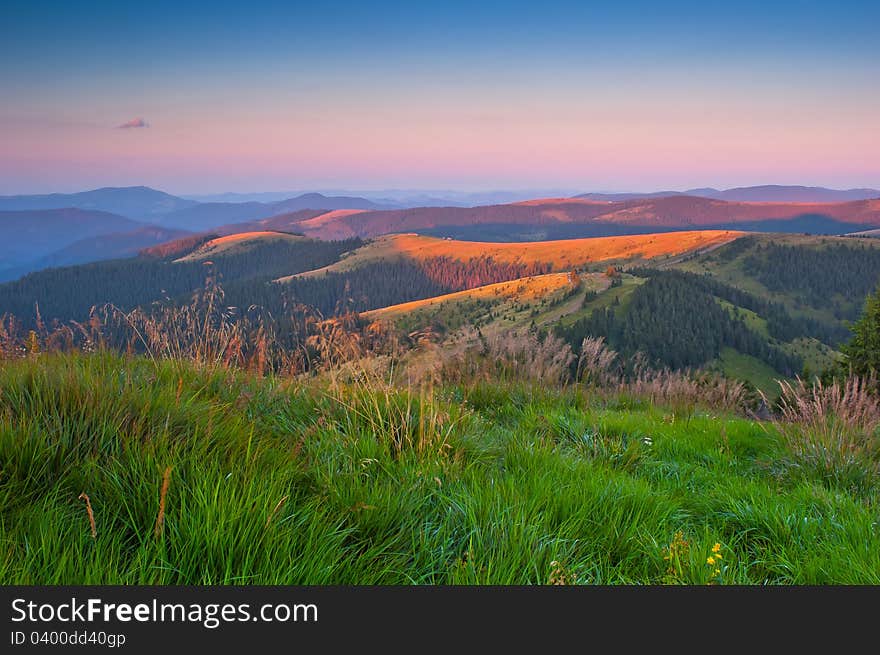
(278, 482)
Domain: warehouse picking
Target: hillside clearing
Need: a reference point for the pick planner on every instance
(235, 243)
(564, 255)
(521, 290)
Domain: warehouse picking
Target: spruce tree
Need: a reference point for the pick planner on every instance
(862, 353)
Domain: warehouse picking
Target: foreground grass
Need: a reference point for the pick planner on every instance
(272, 482)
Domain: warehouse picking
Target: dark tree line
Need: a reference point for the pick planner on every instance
(246, 277)
(389, 283)
(368, 287)
(69, 293)
(819, 274)
(735, 248)
(676, 322)
(456, 275)
(781, 324)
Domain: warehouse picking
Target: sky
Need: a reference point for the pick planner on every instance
(194, 97)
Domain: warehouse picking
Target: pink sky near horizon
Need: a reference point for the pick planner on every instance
(628, 136)
(632, 95)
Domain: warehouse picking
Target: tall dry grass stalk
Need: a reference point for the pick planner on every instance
(851, 402)
(274, 511)
(505, 356)
(408, 420)
(597, 364)
(832, 425)
(84, 496)
(202, 332)
(335, 342)
(685, 390)
(345, 349)
(209, 333)
(160, 518)
(405, 414)
(17, 342)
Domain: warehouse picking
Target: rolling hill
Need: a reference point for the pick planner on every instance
(245, 265)
(208, 215)
(211, 215)
(235, 244)
(790, 193)
(105, 246)
(27, 236)
(681, 211)
(522, 303)
(560, 255)
(344, 217)
(580, 217)
(41, 231)
(149, 205)
(756, 308)
(387, 271)
(520, 290)
(753, 306)
(288, 222)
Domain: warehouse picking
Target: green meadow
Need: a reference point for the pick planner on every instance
(124, 470)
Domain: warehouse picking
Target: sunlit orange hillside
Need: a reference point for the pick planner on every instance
(235, 242)
(319, 221)
(522, 290)
(562, 255)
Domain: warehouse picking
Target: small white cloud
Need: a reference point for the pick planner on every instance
(134, 122)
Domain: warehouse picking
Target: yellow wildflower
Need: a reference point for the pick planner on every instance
(710, 561)
(716, 548)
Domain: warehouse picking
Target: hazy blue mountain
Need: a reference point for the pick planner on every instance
(213, 214)
(34, 240)
(137, 202)
(29, 235)
(764, 193)
(111, 246)
(777, 193)
(210, 214)
(396, 198)
(231, 196)
(94, 249)
(320, 201)
(620, 197)
(450, 198)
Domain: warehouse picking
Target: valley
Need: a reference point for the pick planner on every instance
(715, 300)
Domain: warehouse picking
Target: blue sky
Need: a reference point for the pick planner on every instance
(260, 96)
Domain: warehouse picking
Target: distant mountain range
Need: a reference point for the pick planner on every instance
(204, 216)
(57, 229)
(579, 217)
(403, 199)
(138, 202)
(144, 204)
(27, 236)
(36, 239)
(60, 229)
(766, 193)
(399, 198)
(111, 246)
